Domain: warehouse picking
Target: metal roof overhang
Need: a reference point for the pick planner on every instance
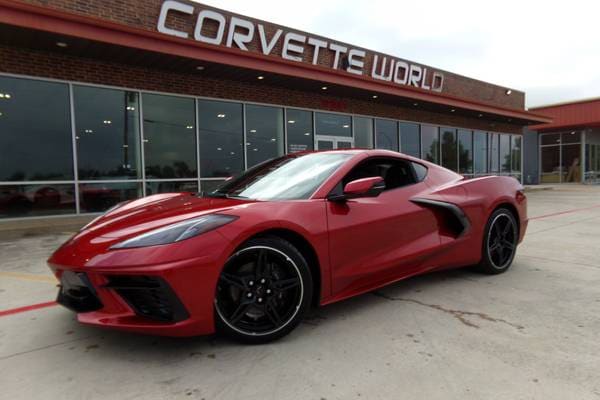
(53, 21)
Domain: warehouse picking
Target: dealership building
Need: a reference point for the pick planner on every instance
(104, 100)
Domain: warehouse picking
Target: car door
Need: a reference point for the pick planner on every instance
(376, 239)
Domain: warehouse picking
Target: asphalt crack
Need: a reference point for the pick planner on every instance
(460, 315)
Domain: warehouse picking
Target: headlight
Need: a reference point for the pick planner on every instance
(113, 208)
(177, 232)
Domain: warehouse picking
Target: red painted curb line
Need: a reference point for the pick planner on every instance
(27, 308)
(565, 212)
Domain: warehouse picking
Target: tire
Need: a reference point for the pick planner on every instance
(263, 292)
(499, 242)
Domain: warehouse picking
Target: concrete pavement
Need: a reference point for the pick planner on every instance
(532, 333)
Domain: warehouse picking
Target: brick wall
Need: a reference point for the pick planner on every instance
(144, 15)
(48, 64)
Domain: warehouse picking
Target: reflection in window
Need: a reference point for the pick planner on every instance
(409, 139)
(571, 163)
(480, 152)
(363, 132)
(299, 130)
(505, 164)
(386, 134)
(516, 153)
(494, 152)
(169, 137)
(264, 133)
(550, 163)
(221, 138)
(207, 186)
(449, 148)
(333, 124)
(107, 133)
(35, 131)
(465, 151)
(36, 200)
(98, 197)
(430, 143)
(171, 187)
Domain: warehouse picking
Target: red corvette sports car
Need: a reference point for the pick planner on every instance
(250, 258)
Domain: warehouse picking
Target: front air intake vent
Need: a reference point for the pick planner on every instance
(149, 296)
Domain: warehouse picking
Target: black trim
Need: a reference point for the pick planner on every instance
(77, 293)
(453, 209)
(149, 297)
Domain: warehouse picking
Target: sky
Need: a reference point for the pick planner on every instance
(549, 49)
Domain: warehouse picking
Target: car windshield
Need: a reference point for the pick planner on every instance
(293, 177)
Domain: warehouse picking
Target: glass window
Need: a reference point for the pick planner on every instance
(207, 186)
(571, 163)
(299, 130)
(430, 143)
(550, 139)
(449, 152)
(221, 131)
(333, 124)
(107, 133)
(264, 133)
(480, 152)
(286, 178)
(550, 162)
(494, 153)
(36, 200)
(409, 139)
(169, 137)
(35, 131)
(515, 149)
(465, 151)
(505, 164)
(571, 137)
(386, 134)
(171, 187)
(97, 197)
(363, 132)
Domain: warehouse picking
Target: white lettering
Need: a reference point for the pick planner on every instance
(401, 66)
(382, 73)
(288, 46)
(356, 62)
(240, 39)
(437, 82)
(267, 47)
(414, 75)
(338, 50)
(423, 81)
(213, 16)
(318, 45)
(164, 12)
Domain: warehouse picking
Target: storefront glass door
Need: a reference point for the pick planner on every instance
(323, 142)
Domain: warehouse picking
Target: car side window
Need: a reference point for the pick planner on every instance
(420, 171)
(395, 172)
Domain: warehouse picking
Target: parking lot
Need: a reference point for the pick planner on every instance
(532, 333)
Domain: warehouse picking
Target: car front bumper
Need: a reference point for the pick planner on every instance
(153, 294)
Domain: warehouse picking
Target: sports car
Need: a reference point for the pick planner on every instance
(299, 231)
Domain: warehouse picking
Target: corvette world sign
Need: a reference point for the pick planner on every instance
(237, 32)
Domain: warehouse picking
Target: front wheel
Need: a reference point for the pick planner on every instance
(499, 242)
(263, 292)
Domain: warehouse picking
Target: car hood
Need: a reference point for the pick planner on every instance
(152, 212)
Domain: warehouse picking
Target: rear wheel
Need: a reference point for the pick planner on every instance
(263, 292)
(499, 242)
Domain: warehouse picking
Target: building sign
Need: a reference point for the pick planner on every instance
(236, 32)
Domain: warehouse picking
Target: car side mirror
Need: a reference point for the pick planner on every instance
(365, 187)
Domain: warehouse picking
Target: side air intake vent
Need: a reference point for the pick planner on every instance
(149, 297)
(453, 218)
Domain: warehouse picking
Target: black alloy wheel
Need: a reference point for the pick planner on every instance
(263, 291)
(500, 242)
